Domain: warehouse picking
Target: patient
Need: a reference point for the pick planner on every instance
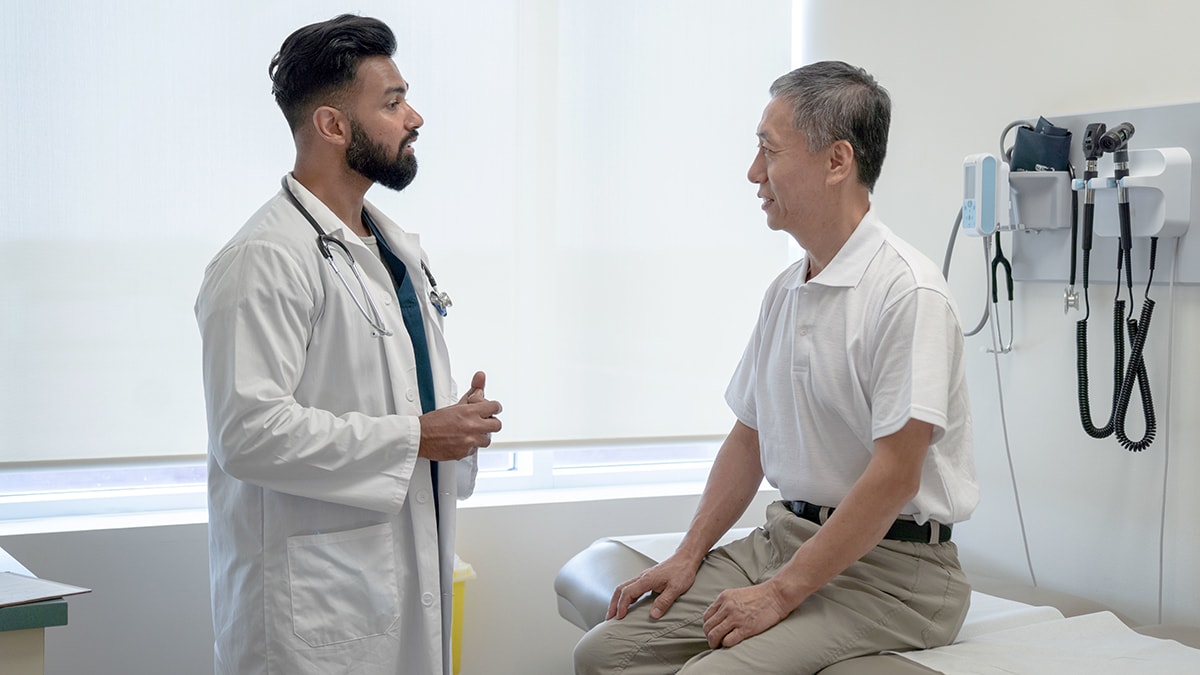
(851, 399)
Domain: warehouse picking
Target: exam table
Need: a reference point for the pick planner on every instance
(1070, 626)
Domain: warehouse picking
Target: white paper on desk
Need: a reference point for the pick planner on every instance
(1092, 644)
(18, 589)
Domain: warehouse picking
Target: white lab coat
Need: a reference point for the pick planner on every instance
(322, 545)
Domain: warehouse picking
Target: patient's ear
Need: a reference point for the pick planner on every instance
(841, 163)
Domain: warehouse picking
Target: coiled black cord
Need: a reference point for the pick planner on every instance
(1081, 368)
(1137, 369)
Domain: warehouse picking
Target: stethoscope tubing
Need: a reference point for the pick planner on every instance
(374, 317)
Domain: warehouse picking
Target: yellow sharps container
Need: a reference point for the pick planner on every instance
(462, 573)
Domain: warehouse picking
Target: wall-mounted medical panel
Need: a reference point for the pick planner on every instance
(1163, 187)
(1158, 185)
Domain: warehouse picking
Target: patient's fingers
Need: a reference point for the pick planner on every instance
(653, 579)
(622, 598)
(664, 601)
(670, 579)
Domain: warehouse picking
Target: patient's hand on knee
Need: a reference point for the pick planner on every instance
(670, 579)
(741, 613)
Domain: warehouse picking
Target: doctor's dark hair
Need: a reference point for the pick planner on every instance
(317, 64)
(835, 101)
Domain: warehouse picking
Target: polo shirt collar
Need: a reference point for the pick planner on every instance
(850, 264)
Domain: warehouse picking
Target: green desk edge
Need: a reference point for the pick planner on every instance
(34, 615)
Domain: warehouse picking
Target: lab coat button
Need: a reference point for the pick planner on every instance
(422, 497)
(410, 395)
(427, 599)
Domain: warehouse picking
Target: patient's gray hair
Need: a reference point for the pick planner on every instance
(835, 101)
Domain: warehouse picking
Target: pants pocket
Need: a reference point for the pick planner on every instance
(343, 584)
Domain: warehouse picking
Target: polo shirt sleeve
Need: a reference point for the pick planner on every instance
(917, 344)
(740, 394)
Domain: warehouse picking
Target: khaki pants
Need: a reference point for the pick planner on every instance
(900, 595)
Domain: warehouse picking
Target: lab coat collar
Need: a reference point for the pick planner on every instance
(329, 222)
(403, 244)
(851, 261)
(396, 237)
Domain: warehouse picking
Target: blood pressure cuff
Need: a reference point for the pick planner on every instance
(1044, 147)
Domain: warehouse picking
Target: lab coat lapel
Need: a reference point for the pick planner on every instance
(397, 348)
(407, 247)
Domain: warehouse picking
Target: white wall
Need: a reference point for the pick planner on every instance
(958, 73)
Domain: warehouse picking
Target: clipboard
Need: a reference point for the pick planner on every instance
(20, 589)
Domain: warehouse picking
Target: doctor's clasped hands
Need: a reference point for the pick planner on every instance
(457, 431)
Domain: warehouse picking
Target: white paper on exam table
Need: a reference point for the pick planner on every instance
(1090, 644)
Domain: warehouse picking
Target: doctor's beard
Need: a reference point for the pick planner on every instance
(371, 159)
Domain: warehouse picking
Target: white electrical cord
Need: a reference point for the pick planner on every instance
(1166, 440)
(1012, 472)
(989, 309)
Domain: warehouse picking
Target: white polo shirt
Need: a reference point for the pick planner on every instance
(849, 357)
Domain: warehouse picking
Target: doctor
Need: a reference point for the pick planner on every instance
(338, 444)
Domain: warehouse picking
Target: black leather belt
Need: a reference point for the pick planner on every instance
(931, 532)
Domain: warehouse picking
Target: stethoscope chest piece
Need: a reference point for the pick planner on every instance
(440, 301)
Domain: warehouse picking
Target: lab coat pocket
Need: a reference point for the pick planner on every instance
(343, 584)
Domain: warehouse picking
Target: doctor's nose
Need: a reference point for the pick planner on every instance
(415, 121)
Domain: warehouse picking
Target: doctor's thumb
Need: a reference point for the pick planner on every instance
(475, 393)
(478, 380)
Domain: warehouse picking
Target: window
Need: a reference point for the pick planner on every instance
(582, 196)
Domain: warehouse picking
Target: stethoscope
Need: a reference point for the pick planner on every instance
(1000, 262)
(439, 299)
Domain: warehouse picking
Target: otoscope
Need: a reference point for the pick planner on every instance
(1116, 141)
(1098, 141)
(1092, 151)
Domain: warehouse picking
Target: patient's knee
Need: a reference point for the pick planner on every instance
(593, 653)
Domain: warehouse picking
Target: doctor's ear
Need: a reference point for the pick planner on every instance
(331, 125)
